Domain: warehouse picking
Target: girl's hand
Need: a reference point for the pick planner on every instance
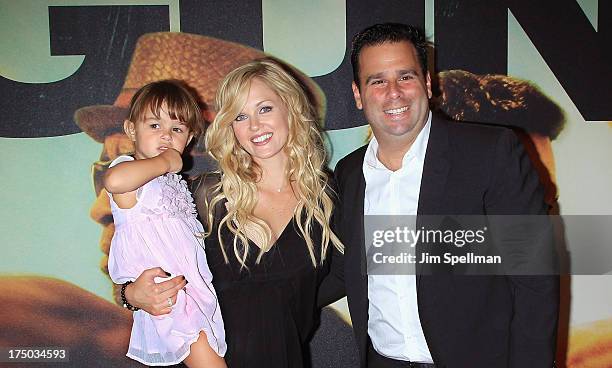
(173, 160)
(151, 297)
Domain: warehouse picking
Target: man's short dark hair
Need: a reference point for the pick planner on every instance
(388, 33)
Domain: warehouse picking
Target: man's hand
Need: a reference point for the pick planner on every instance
(152, 297)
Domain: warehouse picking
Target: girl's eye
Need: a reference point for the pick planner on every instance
(265, 109)
(154, 125)
(241, 117)
(178, 130)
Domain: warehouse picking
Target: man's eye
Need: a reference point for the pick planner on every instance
(406, 77)
(241, 117)
(377, 81)
(265, 109)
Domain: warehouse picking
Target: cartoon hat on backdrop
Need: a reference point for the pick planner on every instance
(199, 61)
(499, 99)
(510, 101)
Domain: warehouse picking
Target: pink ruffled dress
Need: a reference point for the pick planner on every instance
(162, 230)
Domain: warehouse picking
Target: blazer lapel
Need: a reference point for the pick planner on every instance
(435, 173)
(435, 170)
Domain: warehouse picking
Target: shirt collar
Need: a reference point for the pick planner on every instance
(417, 150)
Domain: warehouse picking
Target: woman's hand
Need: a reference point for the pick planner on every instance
(152, 297)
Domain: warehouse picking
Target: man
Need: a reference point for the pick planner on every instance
(420, 164)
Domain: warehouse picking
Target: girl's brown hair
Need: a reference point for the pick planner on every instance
(181, 103)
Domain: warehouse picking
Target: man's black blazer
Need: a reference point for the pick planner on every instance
(468, 321)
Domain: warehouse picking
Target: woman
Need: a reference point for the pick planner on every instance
(267, 212)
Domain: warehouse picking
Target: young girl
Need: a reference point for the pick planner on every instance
(156, 225)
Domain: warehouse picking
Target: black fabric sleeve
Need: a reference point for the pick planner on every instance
(515, 190)
(332, 287)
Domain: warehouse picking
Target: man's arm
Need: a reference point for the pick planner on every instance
(515, 190)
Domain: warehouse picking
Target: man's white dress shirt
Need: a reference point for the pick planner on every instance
(393, 322)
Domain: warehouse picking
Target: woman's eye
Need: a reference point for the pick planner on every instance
(265, 109)
(241, 117)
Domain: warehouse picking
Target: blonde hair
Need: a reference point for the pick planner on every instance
(239, 173)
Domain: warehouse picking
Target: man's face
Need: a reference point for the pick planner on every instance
(393, 92)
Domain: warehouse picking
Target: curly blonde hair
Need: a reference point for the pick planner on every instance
(239, 173)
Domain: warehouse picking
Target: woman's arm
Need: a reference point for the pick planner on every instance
(201, 187)
(332, 287)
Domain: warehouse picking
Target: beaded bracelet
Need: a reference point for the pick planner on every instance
(124, 300)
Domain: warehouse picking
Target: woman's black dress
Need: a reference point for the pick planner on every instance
(269, 310)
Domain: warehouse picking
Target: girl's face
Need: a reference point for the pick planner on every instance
(262, 128)
(152, 135)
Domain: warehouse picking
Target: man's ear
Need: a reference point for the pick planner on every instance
(130, 130)
(357, 96)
